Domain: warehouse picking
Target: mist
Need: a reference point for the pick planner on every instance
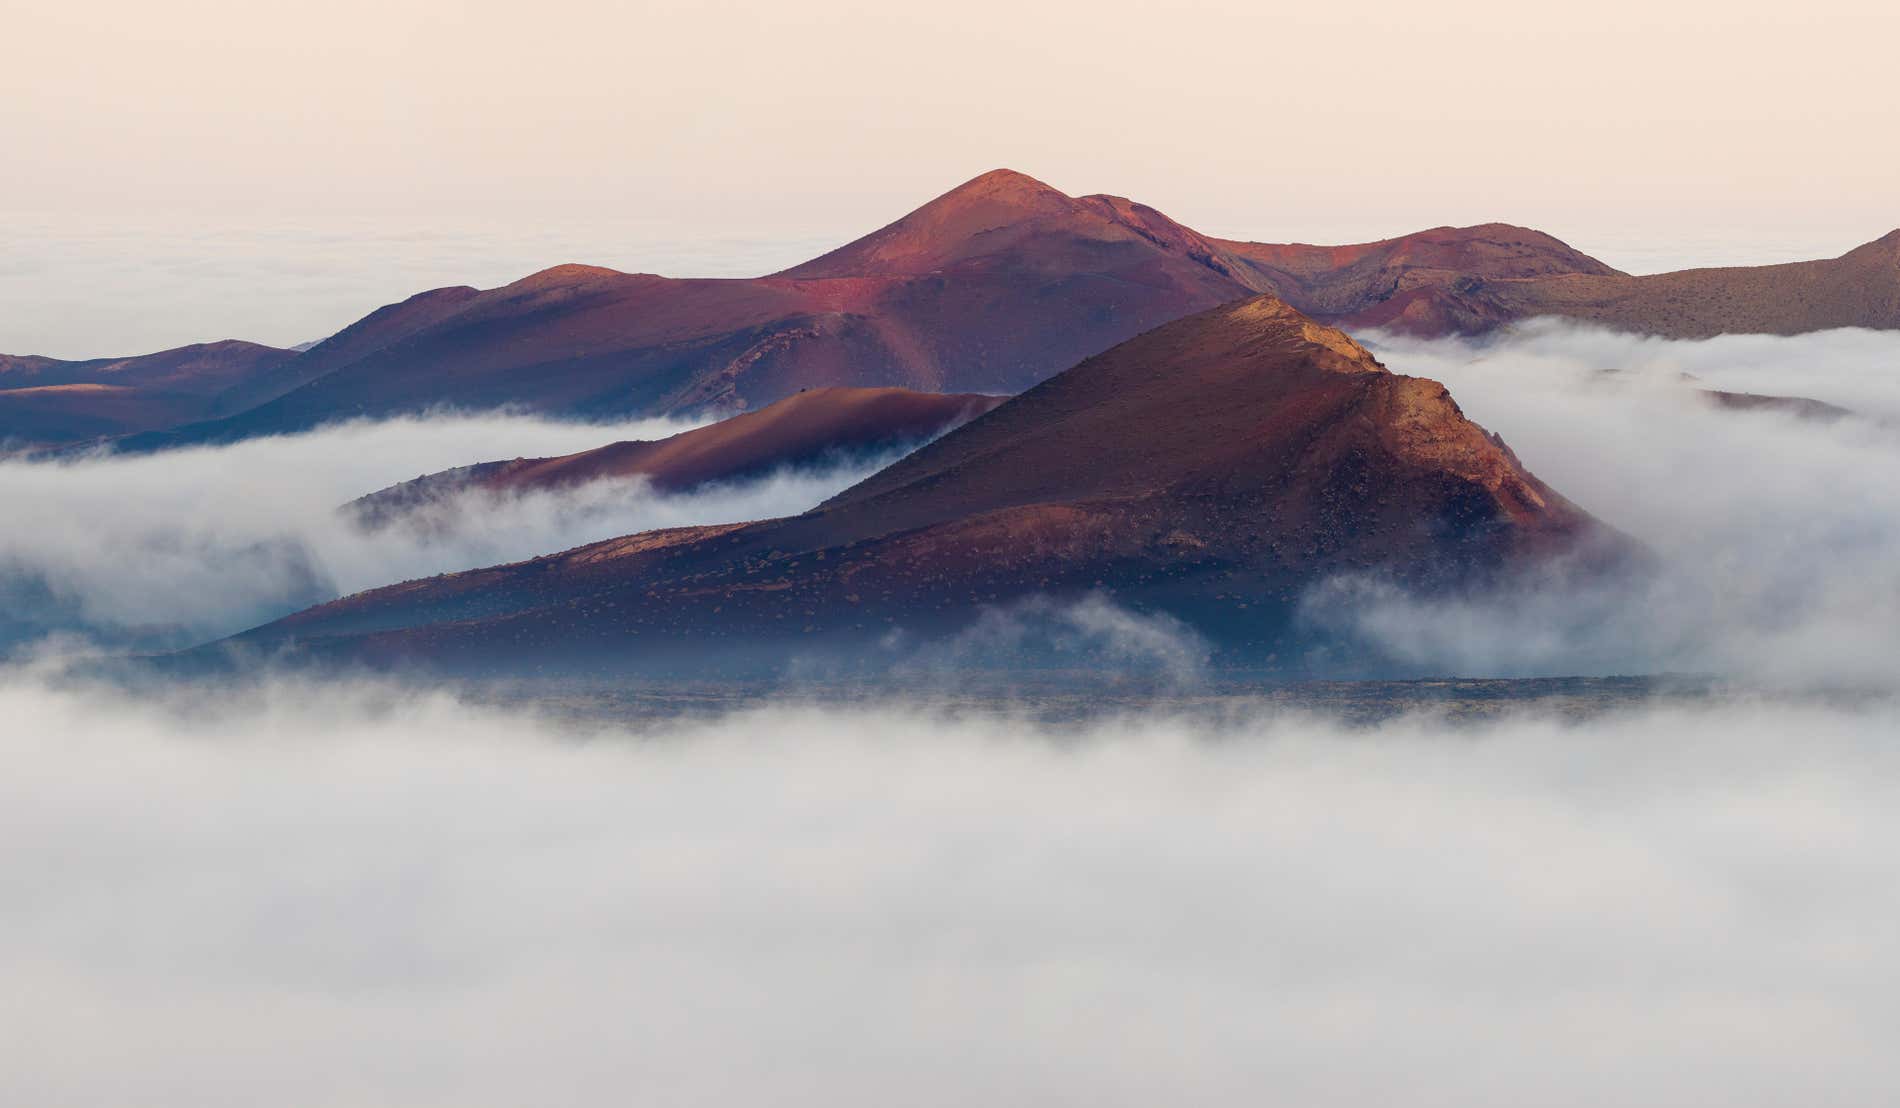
(1777, 537)
(379, 895)
(164, 550)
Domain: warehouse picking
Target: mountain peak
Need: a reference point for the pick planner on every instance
(568, 273)
(1001, 183)
(979, 217)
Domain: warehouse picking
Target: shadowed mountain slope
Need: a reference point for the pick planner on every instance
(47, 401)
(820, 427)
(1211, 470)
(1861, 288)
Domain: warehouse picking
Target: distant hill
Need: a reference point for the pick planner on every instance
(1211, 469)
(1861, 288)
(48, 401)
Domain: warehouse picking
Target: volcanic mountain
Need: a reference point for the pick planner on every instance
(1211, 469)
(45, 401)
(989, 288)
(1424, 283)
(816, 428)
(1861, 288)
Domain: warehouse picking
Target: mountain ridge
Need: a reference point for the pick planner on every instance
(990, 287)
(1273, 451)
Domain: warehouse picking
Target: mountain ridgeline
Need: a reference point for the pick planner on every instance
(1211, 470)
(990, 288)
(814, 430)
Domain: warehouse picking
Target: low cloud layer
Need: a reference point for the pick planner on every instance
(380, 896)
(168, 549)
(1778, 536)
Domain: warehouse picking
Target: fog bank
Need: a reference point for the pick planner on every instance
(168, 549)
(1778, 536)
(384, 896)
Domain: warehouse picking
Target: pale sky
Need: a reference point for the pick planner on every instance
(655, 134)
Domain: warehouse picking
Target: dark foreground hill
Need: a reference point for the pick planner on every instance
(814, 429)
(1210, 470)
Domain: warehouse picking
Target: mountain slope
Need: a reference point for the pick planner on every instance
(1861, 288)
(1211, 469)
(384, 327)
(989, 288)
(816, 428)
(1421, 283)
(49, 401)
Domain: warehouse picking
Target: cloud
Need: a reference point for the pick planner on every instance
(167, 549)
(1778, 538)
(376, 895)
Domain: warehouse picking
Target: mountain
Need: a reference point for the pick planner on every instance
(816, 428)
(989, 288)
(1212, 469)
(47, 401)
(1861, 288)
(1423, 283)
(383, 328)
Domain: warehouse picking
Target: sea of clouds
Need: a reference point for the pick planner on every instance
(1777, 537)
(171, 549)
(347, 894)
(356, 895)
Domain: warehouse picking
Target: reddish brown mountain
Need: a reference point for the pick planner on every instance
(1424, 283)
(814, 428)
(1211, 469)
(1861, 288)
(45, 401)
(383, 328)
(989, 288)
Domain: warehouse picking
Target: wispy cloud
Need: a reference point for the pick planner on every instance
(165, 549)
